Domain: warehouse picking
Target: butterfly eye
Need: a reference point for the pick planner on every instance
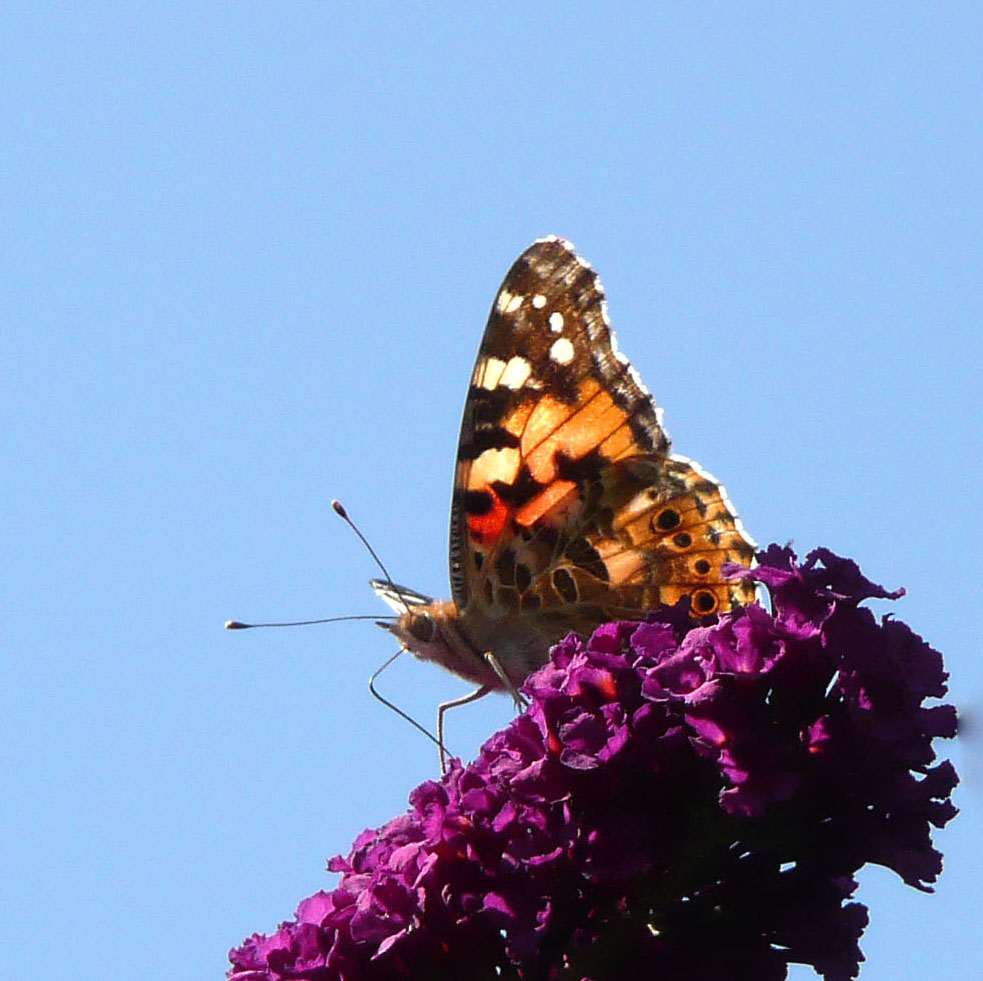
(423, 627)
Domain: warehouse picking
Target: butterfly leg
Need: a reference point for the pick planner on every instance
(473, 696)
(518, 699)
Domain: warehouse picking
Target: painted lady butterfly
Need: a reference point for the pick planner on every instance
(568, 509)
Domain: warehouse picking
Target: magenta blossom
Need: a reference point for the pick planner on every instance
(678, 801)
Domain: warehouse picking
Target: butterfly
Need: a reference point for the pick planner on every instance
(568, 509)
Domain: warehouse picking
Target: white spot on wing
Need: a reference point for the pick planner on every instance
(509, 302)
(489, 374)
(556, 322)
(562, 351)
(515, 374)
(495, 465)
(504, 297)
(539, 301)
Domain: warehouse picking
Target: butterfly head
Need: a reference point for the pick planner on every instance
(417, 625)
(419, 632)
(431, 630)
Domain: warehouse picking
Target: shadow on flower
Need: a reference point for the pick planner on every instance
(679, 801)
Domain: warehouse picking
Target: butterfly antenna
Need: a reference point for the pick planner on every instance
(239, 625)
(395, 708)
(339, 509)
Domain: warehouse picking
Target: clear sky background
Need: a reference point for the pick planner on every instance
(247, 255)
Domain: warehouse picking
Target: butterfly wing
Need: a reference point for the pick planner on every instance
(567, 505)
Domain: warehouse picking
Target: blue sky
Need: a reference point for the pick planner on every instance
(247, 254)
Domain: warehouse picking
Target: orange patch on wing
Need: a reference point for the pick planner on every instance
(540, 437)
(515, 423)
(620, 443)
(623, 564)
(485, 528)
(555, 427)
(544, 502)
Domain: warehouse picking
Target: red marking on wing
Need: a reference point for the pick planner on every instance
(485, 528)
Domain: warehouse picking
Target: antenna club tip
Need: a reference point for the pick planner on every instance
(339, 509)
(235, 625)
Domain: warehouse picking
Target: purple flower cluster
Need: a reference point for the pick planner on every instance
(679, 801)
